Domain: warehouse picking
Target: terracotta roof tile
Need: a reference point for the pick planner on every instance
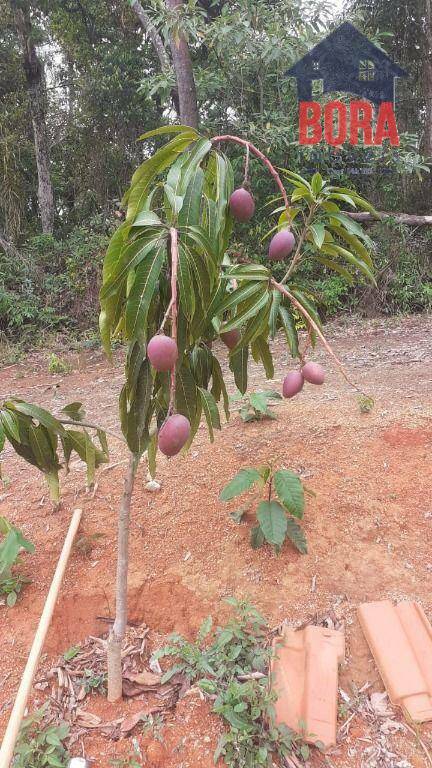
(305, 679)
(400, 638)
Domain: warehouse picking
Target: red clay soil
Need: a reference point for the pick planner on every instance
(368, 528)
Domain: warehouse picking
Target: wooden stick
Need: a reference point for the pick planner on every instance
(12, 730)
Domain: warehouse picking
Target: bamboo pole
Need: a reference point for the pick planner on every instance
(10, 737)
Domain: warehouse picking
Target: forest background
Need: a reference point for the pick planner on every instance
(80, 80)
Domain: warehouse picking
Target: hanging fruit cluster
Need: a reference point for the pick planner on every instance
(168, 265)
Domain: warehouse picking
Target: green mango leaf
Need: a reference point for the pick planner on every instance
(210, 411)
(202, 275)
(196, 237)
(186, 288)
(75, 440)
(258, 401)
(274, 311)
(273, 522)
(147, 219)
(132, 256)
(38, 414)
(336, 267)
(289, 489)
(184, 169)
(175, 202)
(318, 233)
(352, 226)
(343, 197)
(296, 535)
(243, 481)
(11, 546)
(141, 294)
(317, 183)
(256, 326)
(151, 455)
(218, 386)
(186, 393)
(296, 178)
(11, 599)
(249, 309)
(261, 351)
(191, 209)
(164, 129)
(355, 244)
(10, 424)
(301, 193)
(247, 272)
(156, 164)
(357, 262)
(308, 304)
(257, 537)
(75, 411)
(42, 448)
(239, 295)
(288, 325)
(136, 420)
(238, 363)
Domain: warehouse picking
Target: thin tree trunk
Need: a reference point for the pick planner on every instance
(38, 107)
(184, 74)
(9, 247)
(158, 45)
(118, 630)
(427, 80)
(154, 36)
(70, 88)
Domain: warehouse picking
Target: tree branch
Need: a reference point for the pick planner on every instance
(173, 304)
(410, 219)
(312, 323)
(153, 35)
(90, 426)
(262, 157)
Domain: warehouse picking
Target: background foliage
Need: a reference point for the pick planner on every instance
(105, 86)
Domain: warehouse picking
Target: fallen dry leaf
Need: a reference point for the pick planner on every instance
(131, 721)
(145, 678)
(87, 720)
(380, 704)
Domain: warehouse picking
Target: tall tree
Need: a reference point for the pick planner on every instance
(182, 63)
(36, 87)
(427, 78)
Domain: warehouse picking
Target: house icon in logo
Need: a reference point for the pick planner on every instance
(347, 61)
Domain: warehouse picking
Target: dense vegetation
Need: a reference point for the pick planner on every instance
(97, 75)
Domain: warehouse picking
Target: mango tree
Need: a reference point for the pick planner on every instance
(168, 271)
(171, 286)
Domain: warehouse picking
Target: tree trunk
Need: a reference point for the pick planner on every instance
(184, 74)
(71, 95)
(427, 80)
(9, 248)
(38, 107)
(410, 219)
(158, 45)
(118, 630)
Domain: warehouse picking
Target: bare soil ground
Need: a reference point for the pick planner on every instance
(368, 528)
